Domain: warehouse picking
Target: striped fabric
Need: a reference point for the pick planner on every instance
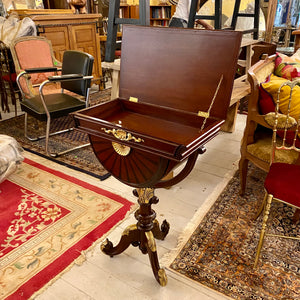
(173, 2)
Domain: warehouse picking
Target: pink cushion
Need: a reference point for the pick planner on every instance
(282, 182)
(34, 54)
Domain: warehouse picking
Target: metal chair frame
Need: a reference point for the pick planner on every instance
(48, 134)
(269, 198)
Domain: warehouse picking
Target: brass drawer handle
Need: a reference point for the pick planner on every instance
(122, 135)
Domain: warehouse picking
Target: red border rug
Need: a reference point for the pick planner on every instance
(47, 219)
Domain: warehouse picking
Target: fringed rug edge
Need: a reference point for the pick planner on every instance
(184, 236)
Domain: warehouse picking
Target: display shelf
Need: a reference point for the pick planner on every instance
(160, 15)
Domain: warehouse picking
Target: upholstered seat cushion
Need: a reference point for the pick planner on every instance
(58, 105)
(282, 182)
(262, 148)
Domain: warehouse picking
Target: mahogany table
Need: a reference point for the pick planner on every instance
(175, 89)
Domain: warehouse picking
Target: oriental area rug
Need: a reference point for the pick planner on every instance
(218, 250)
(83, 160)
(48, 220)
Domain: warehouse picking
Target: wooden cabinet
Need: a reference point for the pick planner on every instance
(71, 32)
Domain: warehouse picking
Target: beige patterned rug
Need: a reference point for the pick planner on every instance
(218, 251)
(48, 221)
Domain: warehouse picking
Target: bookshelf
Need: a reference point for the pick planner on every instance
(160, 15)
(124, 11)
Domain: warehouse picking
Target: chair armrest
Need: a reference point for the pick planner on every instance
(41, 70)
(297, 31)
(66, 77)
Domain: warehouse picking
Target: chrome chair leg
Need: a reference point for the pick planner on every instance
(47, 137)
(68, 150)
(26, 129)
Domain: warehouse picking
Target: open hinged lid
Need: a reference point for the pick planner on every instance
(179, 68)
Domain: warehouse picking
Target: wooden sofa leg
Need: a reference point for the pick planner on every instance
(243, 169)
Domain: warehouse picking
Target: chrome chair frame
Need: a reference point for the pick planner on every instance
(51, 79)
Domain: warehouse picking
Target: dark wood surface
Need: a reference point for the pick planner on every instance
(179, 68)
(156, 126)
(174, 74)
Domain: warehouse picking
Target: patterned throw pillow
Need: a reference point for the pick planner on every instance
(268, 93)
(272, 86)
(287, 67)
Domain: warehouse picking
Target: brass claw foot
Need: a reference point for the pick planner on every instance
(129, 236)
(143, 233)
(162, 277)
(159, 274)
(160, 233)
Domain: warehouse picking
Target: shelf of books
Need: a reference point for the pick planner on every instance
(160, 15)
(124, 11)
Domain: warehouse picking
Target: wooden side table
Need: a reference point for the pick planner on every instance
(115, 67)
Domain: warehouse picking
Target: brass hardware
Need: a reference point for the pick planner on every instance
(162, 277)
(151, 241)
(122, 135)
(145, 194)
(206, 114)
(122, 150)
(133, 99)
(104, 244)
(203, 114)
(129, 228)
